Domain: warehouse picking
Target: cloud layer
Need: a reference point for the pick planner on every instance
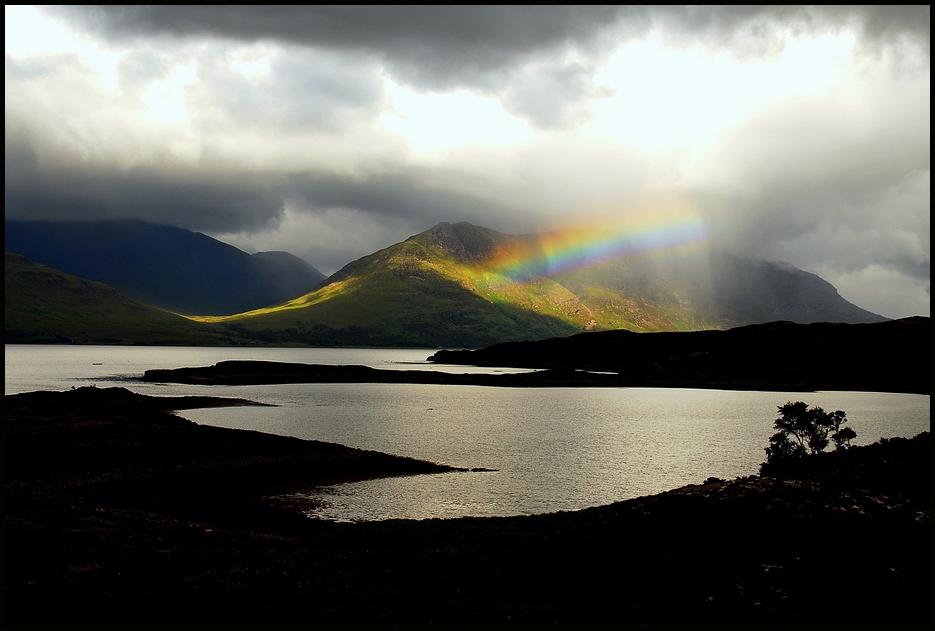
(798, 134)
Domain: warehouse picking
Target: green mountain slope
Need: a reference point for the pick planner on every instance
(464, 285)
(410, 294)
(44, 305)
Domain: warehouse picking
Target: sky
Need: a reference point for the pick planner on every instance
(791, 134)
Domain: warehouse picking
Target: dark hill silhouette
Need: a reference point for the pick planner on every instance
(892, 356)
(880, 357)
(164, 266)
(43, 305)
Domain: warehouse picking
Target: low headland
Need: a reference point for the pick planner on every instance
(779, 356)
(119, 512)
(892, 356)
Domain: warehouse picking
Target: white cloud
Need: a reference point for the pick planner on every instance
(165, 98)
(28, 33)
(252, 62)
(436, 122)
(684, 97)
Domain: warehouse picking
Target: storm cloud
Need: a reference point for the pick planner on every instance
(457, 42)
(64, 187)
(495, 49)
(236, 202)
(797, 133)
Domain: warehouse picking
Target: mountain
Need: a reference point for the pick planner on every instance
(163, 266)
(747, 291)
(464, 285)
(46, 306)
(411, 294)
(285, 275)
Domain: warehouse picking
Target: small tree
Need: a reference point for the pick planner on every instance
(841, 436)
(804, 431)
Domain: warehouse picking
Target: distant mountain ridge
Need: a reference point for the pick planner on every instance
(446, 287)
(164, 266)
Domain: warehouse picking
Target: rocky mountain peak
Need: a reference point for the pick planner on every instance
(467, 243)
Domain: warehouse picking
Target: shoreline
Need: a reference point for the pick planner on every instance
(119, 512)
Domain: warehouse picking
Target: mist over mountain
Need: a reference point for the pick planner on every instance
(748, 291)
(465, 285)
(164, 266)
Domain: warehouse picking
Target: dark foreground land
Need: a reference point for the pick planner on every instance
(119, 512)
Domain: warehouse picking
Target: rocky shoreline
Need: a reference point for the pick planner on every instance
(118, 512)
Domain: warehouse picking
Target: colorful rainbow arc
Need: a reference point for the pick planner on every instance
(569, 250)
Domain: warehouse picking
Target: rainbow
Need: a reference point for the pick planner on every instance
(570, 249)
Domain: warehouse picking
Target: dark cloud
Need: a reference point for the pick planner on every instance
(399, 195)
(426, 48)
(41, 184)
(886, 22)
(443, 44)
(805, 187)
(333, 219)
(758, 30)
(439, 43)
(44, 185)
(518, 53)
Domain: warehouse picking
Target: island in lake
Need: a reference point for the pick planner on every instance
(880, 357)
(119, 512)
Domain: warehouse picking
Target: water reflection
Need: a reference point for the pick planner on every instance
(554, 449)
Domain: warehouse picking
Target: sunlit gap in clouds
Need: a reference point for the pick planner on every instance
(165, 98)
(252, 62)
(28, 33)
(667, 96)
(434, 122)
(659, 231)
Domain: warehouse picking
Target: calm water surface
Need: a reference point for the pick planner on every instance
(554, 449)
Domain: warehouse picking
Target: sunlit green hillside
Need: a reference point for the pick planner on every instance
(447, 287)
(409, 294)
